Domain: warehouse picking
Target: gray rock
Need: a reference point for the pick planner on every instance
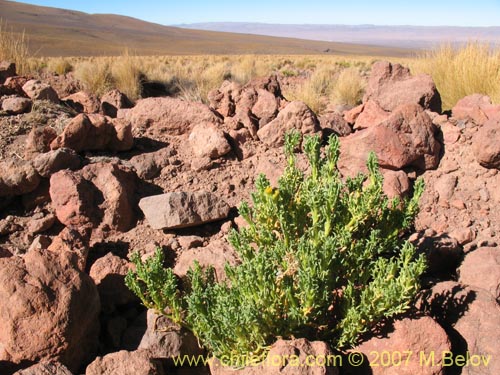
(182, 209)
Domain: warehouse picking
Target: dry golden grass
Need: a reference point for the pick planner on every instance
(316, 89)
(14, 47)
(474, 68)
(95, 75)
(59, 65)
(126, 75)
(349, 87)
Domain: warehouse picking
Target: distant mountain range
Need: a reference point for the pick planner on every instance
(61, 32)
(389, 36)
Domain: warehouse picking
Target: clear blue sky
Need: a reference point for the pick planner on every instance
(379, 12)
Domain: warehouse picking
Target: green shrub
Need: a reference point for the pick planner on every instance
(320, 259)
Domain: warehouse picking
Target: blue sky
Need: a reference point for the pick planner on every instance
(379, 12)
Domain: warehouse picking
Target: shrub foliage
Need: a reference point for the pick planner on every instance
(320, 258)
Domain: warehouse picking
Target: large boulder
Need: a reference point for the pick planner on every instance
(410, 344)
(38, 90)
(101, 195)
(391, 85)
(95, 133)
(296, 115)
(481, 269)
(471, 318)
(138, 362)
(286, 357)
(182, 209)
(17, 177)
(476, 108)
(208, 140)
(49, 309)
(82, 102)
(168, 116)
(407, 138)
(487, 143)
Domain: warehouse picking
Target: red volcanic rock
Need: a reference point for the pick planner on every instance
(392, 85)
(476, 108)
(409, 337)
(17, 177)
(97, 133)
(168, 115)
(296, 115)
(49, 310)
(138, 362)
(114, 100)
(406, 138)
(37, 90)
(82, 102)
(208, 140)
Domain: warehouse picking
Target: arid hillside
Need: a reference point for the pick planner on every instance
(60, 32)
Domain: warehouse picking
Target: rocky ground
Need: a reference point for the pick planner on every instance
(86, 181)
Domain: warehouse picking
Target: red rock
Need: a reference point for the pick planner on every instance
(72, 244)
(16, 105)
(406, 138)
(296, 115)
(73, 199)
(332, 122)
(351, 115)
(372, 115)
(138, 362)
(45, 368)
(82, 102)
(222, 101)
(216, 254)
(266, 107)
(476, 108)
(53, 161)
(116, 185)
(408, 338)
(95, 133)
(50, 310)
(392, 85)
(182, 209)
(292, 357)
(481, 269)
(112, 101)
(39, 140)
(109, 274)
(240, 140)
(149, 165)
(396, 183)
(165, 339)
(37, 90)
(41, 225)
(486, 143)
(208, 140)
(451, 133)
(471, 317)
(168, 116)
(17, 177)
